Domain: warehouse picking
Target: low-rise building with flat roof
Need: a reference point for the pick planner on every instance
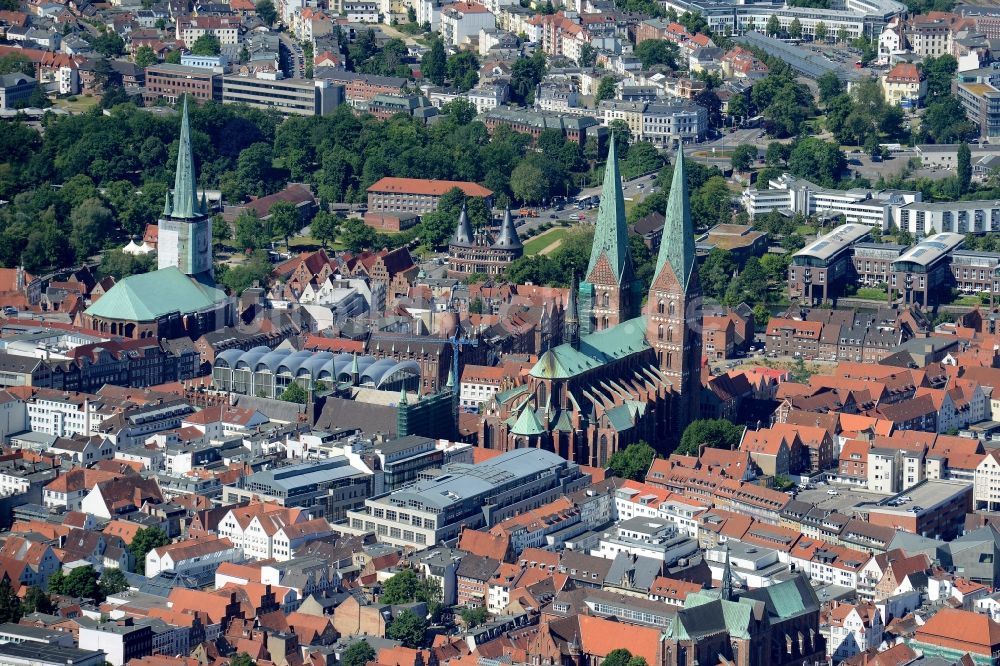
(933, 508)
(430, 511)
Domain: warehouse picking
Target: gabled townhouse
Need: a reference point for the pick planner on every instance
(68, 490)
(192, 557)
(110, 498)
(253, 528)
(854, 629)
(39, 559)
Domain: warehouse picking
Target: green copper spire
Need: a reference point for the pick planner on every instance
(167, 209)
(611, 235)
(402, 397)
(677, 242)
(185, 189)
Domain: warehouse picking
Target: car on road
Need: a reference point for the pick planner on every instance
(553, 216)
(831, 491)
(581, 216)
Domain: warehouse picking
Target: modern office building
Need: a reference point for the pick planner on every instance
(428, 512)
(327, 489)
(923, 218)
(976, 272)
(981, 102)
(873, 262)
(15, 89)
(171, 82)
(923, 270)
(290, 97)
(873, 208)
(818, 271)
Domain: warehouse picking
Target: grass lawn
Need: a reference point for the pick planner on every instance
(81, 104)
(968, 299)
(871, 293)
(308, 243)
(542, 241)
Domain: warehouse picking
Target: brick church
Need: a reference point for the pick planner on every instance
(618, 377)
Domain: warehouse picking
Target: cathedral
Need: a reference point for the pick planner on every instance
(618, 377)
(478, 252)
(179, 298)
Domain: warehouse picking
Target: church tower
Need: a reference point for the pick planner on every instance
(673, 322)
(609, 294)
(185, 230)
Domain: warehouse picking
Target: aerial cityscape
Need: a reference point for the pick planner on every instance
(499, 333)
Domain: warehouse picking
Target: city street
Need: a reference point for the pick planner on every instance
(292, 59)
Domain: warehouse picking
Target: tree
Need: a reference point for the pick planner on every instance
(240, 277)
(588, 56)
(842, 35)
(407, 587)
(528, 182)
(81, 583)
(90, 222)
(359, 654)
(144, 541)
(294, 393)
(408, 628)
(829, 86)
(251, 232)
(15, 63)
(605, 89)
(221, 231)
(206, 45)
(642, 158)
(821, 32)
(266, 11)
(738, 107)
(113, 581)
(717, 433)
(120, 265)
(473, 617)
(357, 236)
(621, 133)
(795, 29)
(242, 659)
(657, 52)
(145, 56)
(36, 601)
(773, 26)
(56, 582)
(173, 57)
(939, 73)
(716, 272)
(285, 220)
(622, 657)
(10, 605)
(743, 157)
(964, 173)
(434, 63)
(324, 227)
(108, 44)
(525, 75)
(632, 462)
(463, 70)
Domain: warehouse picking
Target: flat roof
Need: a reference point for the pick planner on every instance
(43, 653)
(925, 497)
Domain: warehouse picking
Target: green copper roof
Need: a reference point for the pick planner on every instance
(594, 350)
(185, 189)
(677, 243)
(148, 296)
(620, 418)
(527, 423)
(611, 234)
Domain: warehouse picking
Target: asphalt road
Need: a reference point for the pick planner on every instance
(292, 59)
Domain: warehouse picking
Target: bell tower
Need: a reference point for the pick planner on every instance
(673, 322)
(185, 229)
(610, 293)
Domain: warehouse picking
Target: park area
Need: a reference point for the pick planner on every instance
(546, 242)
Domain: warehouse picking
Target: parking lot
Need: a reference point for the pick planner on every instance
(844, 501)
